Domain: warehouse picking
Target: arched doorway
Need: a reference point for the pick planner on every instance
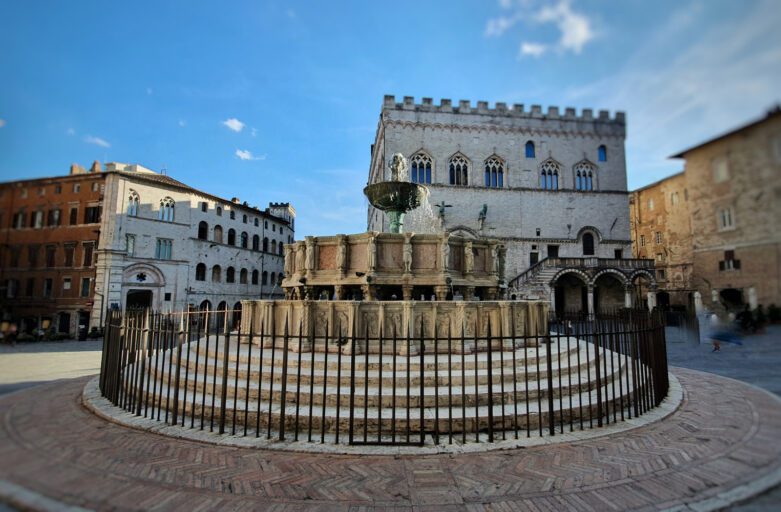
(236, 315)
(203, 313)
(732, 298)
(138, 299)
(220, 313)
(608, 292)
(570, 294)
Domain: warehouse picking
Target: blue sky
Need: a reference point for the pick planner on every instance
(279, 101)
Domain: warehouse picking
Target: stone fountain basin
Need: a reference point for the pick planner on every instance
(396, 195)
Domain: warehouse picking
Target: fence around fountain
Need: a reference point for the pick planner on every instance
(584, 373)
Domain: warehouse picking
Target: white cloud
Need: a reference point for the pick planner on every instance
(245, 154)
(254, 132)
(89, 139)
(575, 28)
(70, 131)
(2, 123)
(234, 124)
(533, 49)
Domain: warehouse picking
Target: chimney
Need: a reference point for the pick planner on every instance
(95, 167)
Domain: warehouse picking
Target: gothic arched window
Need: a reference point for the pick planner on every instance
(420, 168)
(459, 170)
(584, 176)
(530, 149)
(218, 234)
(166, 209)
(549, 175)
(494, 172)
(133, 202)
(602, 153)
(200, 272)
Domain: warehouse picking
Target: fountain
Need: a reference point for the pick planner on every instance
(398, 196)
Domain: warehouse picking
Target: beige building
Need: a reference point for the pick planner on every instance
(660, 227)
(714, 229)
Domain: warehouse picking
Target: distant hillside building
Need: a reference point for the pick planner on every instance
(551, 186)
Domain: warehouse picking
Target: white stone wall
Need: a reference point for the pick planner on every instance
(117, 271)
(517, 210)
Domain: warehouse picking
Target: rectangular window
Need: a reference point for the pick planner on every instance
(163, 249)
(14, 259)
(659, 256)
(69, 249)
(642, 240)
(66, 283)
(23, 193)
(58, 189)
(658, 237)
(37, 220)
(85, 282)
(618, 253)
(729, 262)
(660, 274)
(130, 245)
(204, 206)
(553, 251)
(726, 219)
(74, 216)
(32, 256)
(47, 287)
(87, 248)
(92, 214)
(76, 188)
(54, 218)
(42, 191)
(720, 169)
(51, 253)
(19, 220)
(29, 288)
(95, 186)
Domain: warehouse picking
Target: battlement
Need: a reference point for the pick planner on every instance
(501, 109)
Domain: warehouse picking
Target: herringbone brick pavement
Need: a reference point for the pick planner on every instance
(724, 435)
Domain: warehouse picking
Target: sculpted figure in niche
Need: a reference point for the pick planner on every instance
(495, 258)
(371, 253)
(341, 254)
(398, 168)
(502, 259)
(407, 255)
(445, 253)
(310, 255)
(288, 259)
(300, 257)
(469, 258)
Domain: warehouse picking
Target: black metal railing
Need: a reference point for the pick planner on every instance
(288, 384)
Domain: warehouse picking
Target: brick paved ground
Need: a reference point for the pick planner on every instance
(725, 435)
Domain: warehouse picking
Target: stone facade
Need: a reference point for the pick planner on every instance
(734, 188)
(209, 252)
(393, 266)
(532, 220)
(661, 230)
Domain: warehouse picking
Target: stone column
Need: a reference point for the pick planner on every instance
(368, 292)
(553, 299)
(697, 302)
(590, 297)
(628, 296)
(406, 291)
(339, 291)
(491, 293)
(469, 292)
(752, 298)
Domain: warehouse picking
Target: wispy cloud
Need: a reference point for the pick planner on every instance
(254, 132)
(2, 123)
(244, 154)
(575, 28)
(533, 49)
(677, 96)
(89, 139)
(234, 124)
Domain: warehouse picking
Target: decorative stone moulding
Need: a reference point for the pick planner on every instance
(380, 321)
